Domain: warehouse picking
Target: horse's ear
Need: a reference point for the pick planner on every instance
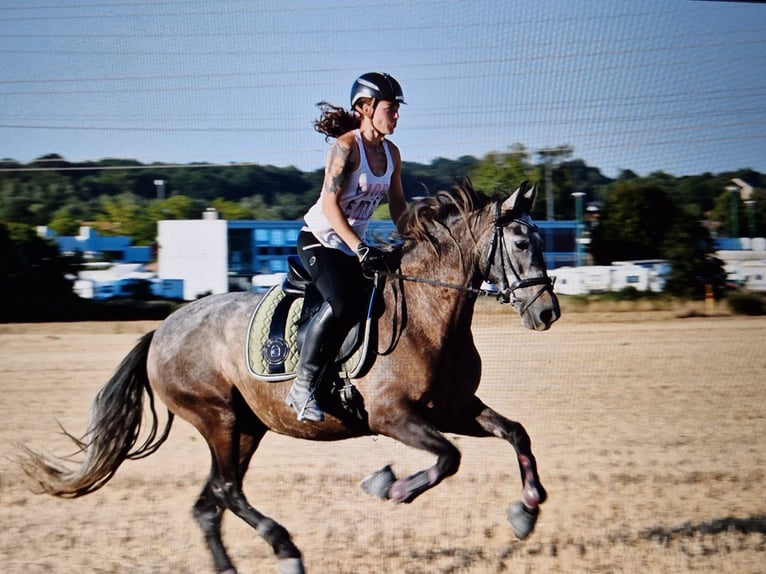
(522, 200)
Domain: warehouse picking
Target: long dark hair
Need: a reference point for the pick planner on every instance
(334, 121)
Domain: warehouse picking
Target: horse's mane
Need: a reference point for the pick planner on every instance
(441, 209)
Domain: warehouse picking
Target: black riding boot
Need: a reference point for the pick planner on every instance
(317, 346)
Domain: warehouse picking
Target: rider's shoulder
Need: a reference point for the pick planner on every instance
(347, 139)
(394, 150)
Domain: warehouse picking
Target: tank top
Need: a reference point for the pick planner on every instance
(360, 196)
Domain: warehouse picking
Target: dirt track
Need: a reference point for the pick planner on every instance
(649, 431)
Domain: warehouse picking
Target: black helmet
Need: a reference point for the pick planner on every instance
(378, 86)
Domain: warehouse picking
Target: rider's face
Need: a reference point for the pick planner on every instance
(385, 116)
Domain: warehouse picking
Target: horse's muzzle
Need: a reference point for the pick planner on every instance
(539, 311)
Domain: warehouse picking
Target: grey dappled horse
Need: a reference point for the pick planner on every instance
(422, 387)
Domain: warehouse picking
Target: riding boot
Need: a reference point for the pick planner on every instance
(317, 346)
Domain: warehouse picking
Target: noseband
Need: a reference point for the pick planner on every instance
(507, 293)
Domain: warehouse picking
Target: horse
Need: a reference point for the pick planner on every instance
(422, 384)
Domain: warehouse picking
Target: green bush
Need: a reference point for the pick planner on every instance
(745, 303)
(628, 293)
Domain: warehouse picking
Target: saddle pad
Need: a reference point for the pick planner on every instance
(263, 350)
(271, 351)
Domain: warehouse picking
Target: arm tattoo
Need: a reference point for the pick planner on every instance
(338, 168)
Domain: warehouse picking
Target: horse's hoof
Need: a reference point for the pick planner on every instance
(291, 566)
(379, 482)
(522, 519)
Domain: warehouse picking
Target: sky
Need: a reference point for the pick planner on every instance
(655, 85)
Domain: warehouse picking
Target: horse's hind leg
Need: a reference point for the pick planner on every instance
(231, 452)
(487, 422)
(208, 511)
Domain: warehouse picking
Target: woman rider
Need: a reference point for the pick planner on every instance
(362, 167)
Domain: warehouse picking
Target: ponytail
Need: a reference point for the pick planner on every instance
(334, 121)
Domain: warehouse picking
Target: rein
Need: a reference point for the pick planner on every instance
(507, 292)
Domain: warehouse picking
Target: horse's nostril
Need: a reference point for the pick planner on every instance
(547, 316)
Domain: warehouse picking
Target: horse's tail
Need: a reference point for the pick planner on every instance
(113, 431)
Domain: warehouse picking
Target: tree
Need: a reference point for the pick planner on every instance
(503, 171)
(174, 207)
(575, 176)
(689, 249)
(257, 207)
(231, 210)
(729, 205)
(126, 214)
(67, 220)
(634, 221)
(33, 275)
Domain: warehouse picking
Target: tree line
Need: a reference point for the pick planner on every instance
(640, 217)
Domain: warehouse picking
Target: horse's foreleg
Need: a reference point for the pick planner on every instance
(414, 432)
(488, 422)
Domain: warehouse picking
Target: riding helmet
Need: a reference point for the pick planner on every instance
(378, 86)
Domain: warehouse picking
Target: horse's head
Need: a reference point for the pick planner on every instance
(515, 262)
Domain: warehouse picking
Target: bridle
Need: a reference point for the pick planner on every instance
(507, 292)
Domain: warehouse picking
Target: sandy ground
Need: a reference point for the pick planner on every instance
(649, 432)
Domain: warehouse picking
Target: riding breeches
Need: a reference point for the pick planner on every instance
(337, 276)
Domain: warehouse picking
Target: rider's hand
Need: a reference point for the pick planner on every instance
(371, 259)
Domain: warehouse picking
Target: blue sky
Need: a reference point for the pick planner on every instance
(672, 85)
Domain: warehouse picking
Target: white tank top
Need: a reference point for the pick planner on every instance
(359, 198)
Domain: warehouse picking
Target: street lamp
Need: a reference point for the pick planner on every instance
(578, 195)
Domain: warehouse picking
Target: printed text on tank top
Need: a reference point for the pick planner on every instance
(371, 188)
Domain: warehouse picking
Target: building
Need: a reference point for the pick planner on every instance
(90, 245)
(112, 267)
(745, 262)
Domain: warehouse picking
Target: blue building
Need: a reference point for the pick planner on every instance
(91, 245)
(261, 247)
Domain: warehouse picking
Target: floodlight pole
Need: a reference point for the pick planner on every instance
(549, 156)
(734, 209)
(750, 205)
(160, 184)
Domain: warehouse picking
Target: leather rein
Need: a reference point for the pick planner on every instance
(507, 292)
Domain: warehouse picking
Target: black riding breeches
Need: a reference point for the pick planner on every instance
(337, 276)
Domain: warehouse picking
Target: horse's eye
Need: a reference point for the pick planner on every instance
(522, 244)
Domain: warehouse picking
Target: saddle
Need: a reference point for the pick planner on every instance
(277, 329)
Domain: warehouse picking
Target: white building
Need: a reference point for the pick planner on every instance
(195, 251)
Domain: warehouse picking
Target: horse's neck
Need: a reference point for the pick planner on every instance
(431, 306)
(455, 260)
